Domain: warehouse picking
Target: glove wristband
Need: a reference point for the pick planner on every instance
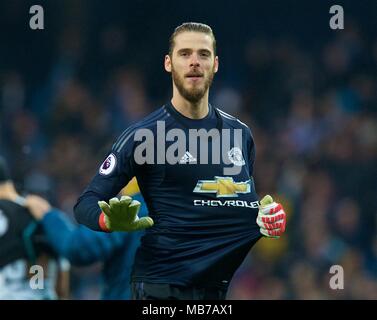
(101, 222)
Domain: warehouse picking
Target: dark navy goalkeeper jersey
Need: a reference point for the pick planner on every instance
(205, 216)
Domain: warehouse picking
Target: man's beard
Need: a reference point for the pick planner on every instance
(196, 93)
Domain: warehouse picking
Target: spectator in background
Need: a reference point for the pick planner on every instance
(82, 246)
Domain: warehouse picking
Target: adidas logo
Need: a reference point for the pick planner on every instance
(187, 157)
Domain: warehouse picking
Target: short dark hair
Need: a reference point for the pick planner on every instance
(4, 171)
(191, 27)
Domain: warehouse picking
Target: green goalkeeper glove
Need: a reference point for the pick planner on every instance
(121, 215)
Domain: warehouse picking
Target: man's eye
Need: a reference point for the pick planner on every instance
(204, 54)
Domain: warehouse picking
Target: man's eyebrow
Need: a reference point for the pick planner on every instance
(184, 49)
(190, 50)
(205, 51)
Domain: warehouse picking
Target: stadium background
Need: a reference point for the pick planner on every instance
(309, 94)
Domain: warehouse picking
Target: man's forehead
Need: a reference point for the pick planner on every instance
(193, 40)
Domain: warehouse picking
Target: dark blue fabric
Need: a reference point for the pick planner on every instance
(198, 238)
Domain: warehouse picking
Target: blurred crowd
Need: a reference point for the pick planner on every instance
(313, 117)
(314, 120)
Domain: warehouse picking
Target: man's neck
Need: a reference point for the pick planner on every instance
(191, 110)
(8, 191)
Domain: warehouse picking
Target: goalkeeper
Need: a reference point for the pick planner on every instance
(202, 222)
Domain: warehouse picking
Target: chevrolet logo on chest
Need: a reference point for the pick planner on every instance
(223, 187)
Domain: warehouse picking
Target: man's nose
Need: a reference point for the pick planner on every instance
(194, 62)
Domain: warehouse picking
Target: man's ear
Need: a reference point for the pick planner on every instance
(216, 65)
(167, 63)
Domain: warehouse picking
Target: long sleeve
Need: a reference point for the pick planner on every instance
(114, 173)
(78, 244)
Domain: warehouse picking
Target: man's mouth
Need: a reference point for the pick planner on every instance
(194, 76)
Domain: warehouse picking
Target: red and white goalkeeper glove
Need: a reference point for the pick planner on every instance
(271, 218)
